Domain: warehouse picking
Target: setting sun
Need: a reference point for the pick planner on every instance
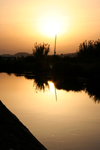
(50, 26)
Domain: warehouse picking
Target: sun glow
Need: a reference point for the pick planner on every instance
(50, 26)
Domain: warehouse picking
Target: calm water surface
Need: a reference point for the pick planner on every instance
(70, 123)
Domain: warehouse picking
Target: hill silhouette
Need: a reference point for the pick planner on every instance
(20, 54)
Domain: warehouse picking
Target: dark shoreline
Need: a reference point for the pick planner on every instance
(14, 135)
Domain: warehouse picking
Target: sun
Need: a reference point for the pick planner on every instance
(50, 26)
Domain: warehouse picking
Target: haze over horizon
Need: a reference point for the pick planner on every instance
(22, 23)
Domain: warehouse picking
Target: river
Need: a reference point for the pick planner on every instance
(59, 119)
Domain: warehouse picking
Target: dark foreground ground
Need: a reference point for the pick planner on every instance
(14, 135)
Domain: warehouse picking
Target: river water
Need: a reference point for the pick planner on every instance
(59, 119)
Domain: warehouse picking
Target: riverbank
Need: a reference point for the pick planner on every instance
(14, 135)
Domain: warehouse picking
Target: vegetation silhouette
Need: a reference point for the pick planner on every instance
(40, 51)
(86, 64)
(93, 91)
(41, 83)
(89, 49)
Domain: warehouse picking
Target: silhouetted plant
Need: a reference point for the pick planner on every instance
(41, 50)
(41, 83)
(89, 49)
(92, 88)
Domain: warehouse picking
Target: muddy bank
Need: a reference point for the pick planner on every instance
(14, 135)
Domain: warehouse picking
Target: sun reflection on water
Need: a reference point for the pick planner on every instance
(52, 87)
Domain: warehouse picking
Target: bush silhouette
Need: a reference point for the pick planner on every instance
(89, 49)
(41, 50)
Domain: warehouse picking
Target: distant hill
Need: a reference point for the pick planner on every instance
(24, 54)
(6, 55)
(69, 55)
(20, 54)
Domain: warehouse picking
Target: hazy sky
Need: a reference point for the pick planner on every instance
(24, 22)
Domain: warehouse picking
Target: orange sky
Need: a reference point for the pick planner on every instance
(22, 23)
